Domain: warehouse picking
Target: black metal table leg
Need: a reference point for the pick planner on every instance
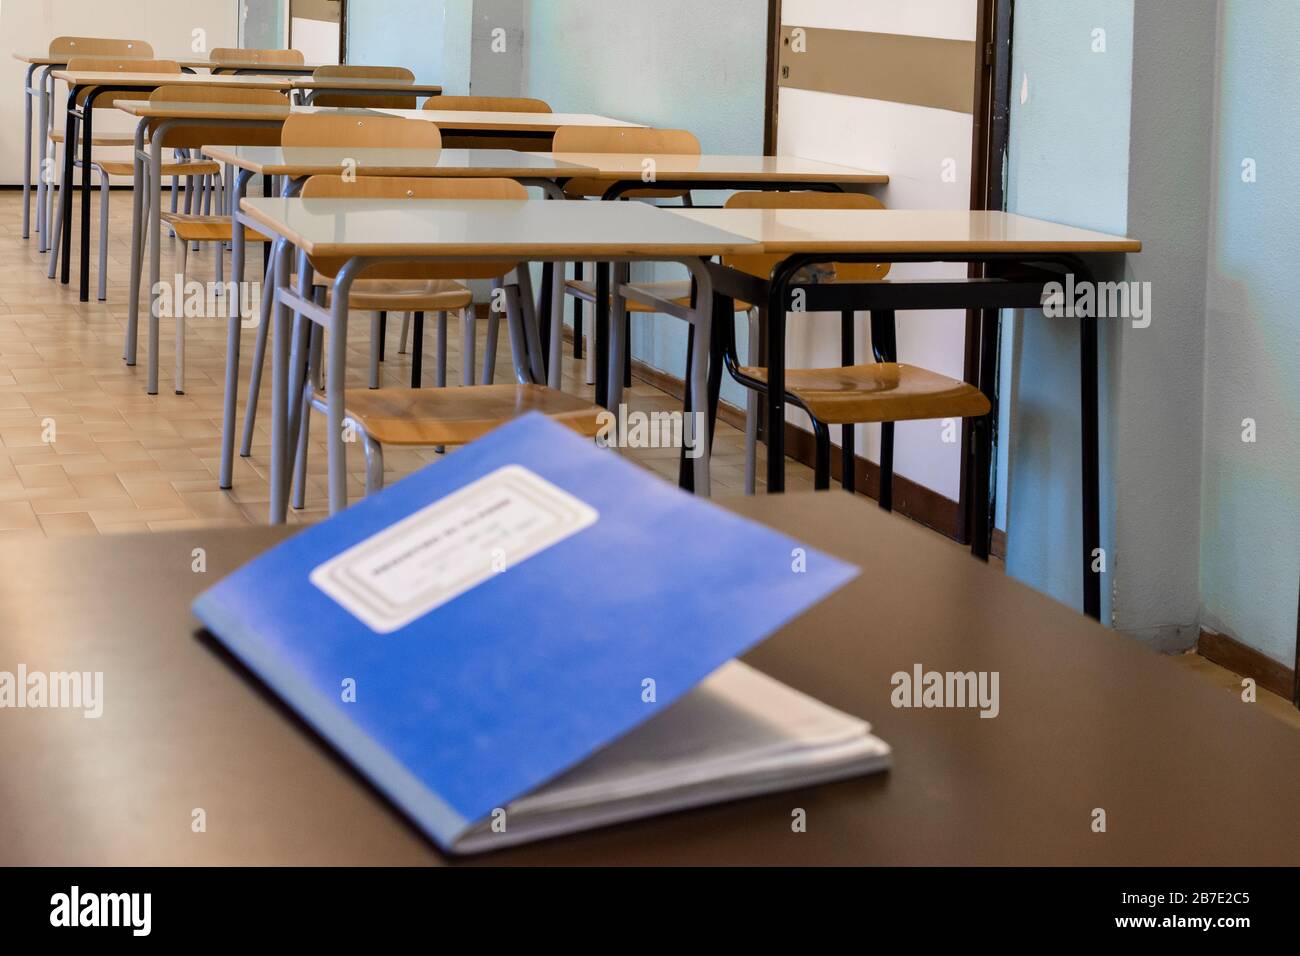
(69, 177)
(602, 334)
(87, 145)
(685, 473)
(544, 316)
(848, 456)
(578, 308)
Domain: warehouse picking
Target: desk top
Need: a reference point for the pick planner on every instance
(369, 84)
(188, 62)
(506, 121)
(790, 231)
(716, 167)
(388, 161)
(482, 229)
(153, 80)
(1187, 773)
(162, 109)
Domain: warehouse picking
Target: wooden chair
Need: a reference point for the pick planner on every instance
(263, 57)
(103, 64)
(387, 101)
(488, 104)
(610, 139)
(442, 416)
(882, 391)
(200, 224)
(380, 296)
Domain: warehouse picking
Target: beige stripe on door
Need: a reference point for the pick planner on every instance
(921, 71)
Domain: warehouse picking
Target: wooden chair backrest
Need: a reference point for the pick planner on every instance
(99, 46)
(379, 101)
(401, 187)
(762, 266)
(224, 54)
(489, 104)
(323, 129)
(192, 137)
(117, 64)
(622, 139)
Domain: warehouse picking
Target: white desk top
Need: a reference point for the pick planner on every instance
(513, 122)
(153, 80)
(162, 109)
(366, 83)
(480, 229)
(717, 167)
(386, 161)
(903, 231)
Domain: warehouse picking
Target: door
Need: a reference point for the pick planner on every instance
(316, 28)
(890, 87)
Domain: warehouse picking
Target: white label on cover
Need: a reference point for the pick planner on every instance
(455, 544)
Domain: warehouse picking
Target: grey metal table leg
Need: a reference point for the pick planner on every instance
(234, 330)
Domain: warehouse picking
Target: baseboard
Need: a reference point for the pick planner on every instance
(1237, 657)
(917, 502)
(998, 547)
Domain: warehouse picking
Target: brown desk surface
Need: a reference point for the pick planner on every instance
(1186, 773)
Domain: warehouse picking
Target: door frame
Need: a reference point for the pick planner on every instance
(989, 137)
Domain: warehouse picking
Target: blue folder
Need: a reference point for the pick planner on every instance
(523, 676)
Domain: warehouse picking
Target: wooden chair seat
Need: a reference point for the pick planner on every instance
(879, 392)
(457, 416)
(186, 168)
(404, 295)
(194, 228)
(97, 139)
(678, 292)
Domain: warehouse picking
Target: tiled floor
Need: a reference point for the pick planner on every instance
(123, 461)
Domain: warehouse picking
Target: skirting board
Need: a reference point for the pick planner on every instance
(1248, 662)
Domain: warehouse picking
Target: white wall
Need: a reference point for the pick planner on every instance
(28, 26)
(430, 37)
(912, 144)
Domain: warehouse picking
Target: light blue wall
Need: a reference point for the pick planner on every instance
(1250, 551)
(431, 37)
(1068, 162)
(670, 63)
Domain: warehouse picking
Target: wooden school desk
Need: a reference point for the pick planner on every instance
(627, 171)
(82, 115)
(1013, 249)
(1187, 773)
(364, 232)
(538, 126)
(298, 163)
(308, 88)
(148, 156)
(45, 65)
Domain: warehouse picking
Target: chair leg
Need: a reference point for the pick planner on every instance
(255, 375)
(383, 333)
(404, 337)
(751, 408)
(58, 227)
(315, 343)
(182, 256)
(374, 464)
(468, 344)
(104, 192)
(376, 340)
(417, 355)
(822, 465)
(488, 375)
(887, 466)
